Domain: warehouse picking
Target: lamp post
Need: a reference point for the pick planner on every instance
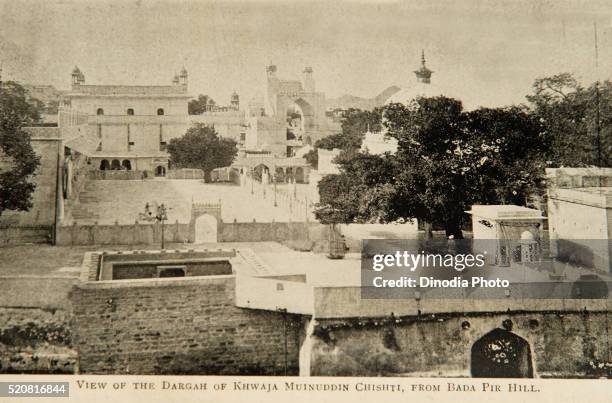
(274, 175)
(161, 217)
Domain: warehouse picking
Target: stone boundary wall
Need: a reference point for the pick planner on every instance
(179, 326)
(343, 302)
(301, 235)
(562, 343)
(185, 173)
(132, 234)
(311, 234)
(20, 234)
(118, 175)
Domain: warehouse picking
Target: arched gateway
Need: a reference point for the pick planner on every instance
(501, 354)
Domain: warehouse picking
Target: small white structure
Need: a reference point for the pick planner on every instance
(326, 166)
(378, 143)
(507, 233)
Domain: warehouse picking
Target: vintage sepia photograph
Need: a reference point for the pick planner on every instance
(398, 189)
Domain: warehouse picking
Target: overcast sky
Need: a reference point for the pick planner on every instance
(488, 52)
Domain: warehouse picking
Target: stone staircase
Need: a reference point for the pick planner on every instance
(110, 201)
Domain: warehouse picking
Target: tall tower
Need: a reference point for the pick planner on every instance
(183, 77)
(423, 74)
(235, 101)
(273, 88)
(78, 77)
(308, 80)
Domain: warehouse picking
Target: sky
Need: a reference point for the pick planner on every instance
(486, 52)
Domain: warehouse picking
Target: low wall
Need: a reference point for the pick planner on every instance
(562, 343)
(25, 234)
(185, 173)
(132, 234)
(118, 175)
(308, 235)
(179, 326)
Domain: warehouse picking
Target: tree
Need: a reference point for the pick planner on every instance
(355, 123)
(447, 160)
(200, 105)
(578, 119)
(20, 161)
(202, 148)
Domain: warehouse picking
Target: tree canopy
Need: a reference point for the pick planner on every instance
(19, 160)
(354, 124)
(201, 148)
(578, 119)
(447, 160)
(200, 105)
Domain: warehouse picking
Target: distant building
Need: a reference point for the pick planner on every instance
(133, 122)
(292, 115)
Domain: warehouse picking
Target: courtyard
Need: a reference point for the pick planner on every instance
(121, 201)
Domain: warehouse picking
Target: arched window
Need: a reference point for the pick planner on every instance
(127, 164)
(160, 111)
(130, 111)
(100, 111)
(104, 165)
(115, 165)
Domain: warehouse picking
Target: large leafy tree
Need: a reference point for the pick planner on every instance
(447, 160)
(354, 124)
(199, 105)
(578, 119)
(202, 148)
(18, 162)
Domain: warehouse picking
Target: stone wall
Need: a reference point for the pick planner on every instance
(562, 343)
(179, 326)
(267, 231)
(133, 234)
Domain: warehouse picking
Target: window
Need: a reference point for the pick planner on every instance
(100, 111)
(160, 111)
(130, 111)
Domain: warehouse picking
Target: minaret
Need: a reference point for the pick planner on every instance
(308, 80)
(235, 101)
(271, 70)
(423, 74)
(183, 76)
(78, 78)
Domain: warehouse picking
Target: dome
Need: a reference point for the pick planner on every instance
(421, 87)
(418, 89)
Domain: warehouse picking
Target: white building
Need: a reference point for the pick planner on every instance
(580, 215)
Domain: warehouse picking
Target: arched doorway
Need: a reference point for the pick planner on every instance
(501, 354)
(115, 165)
(259, 170)
(127, 165)
(160, 171)
(205, 229)
(104, 165)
